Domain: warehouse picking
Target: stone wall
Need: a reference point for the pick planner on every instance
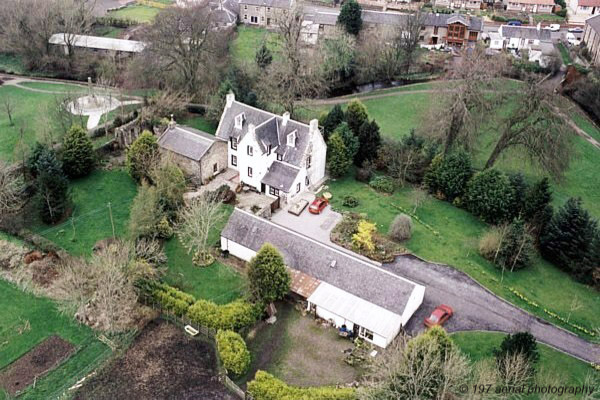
(217, 154)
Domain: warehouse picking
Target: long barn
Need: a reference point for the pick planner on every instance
(339, 287)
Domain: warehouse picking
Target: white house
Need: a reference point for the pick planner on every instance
(338, 286)
(580, 10)
(536, 41)
(530, 6)
(273, 154)
(591, 38)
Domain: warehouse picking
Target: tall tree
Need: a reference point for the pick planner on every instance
(338, 161)
(489, 195)
(356, 115)
(338, 53)
(567, 240)
(520, 190)
(268, 276)
(350, 140)
(516, 248)
(408, 38)
(537, 209)
(332, 120)
(448, 176)
(533, 128)
(52, 187)
(12, 187)
(78, 155)
(263, 56)
(350, 17)
(184, 49)
(142, 156)
(369, 141)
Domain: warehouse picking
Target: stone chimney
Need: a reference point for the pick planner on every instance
(313, 126)
(229, 99)
(286, 118)
(539, 26)
(251, 129)
(172, 122)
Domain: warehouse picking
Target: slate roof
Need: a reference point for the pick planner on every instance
(589, 3)
(188, 142)
(397, 19)
(269, 129)
(285, 4)
(280, 176)
(542, 2)
(594, 23)
(525, 32)
(351, 274)
(99, 43)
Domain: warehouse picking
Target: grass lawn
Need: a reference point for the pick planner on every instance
(55, 87)
(548, 18)
(19, 308)
(564, 369)
(199, 122)
(136, 12)
(564, 54)
(108, 31)
(90, 220)
(218, 282)
(457, 245)
(11, 64)
(248, 41)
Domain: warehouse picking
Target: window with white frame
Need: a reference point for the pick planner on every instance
(215, 168)
(234, 161)
(365, 333)
(273, 191)
(307, 181)
(291, 139)
(240, 118)
(250, 172)
(269, 150)
(308, 161)
(250, 150)
(279, 157)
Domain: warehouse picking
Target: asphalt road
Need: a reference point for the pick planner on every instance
(477, 309)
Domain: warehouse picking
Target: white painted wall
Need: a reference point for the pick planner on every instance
(414, 302)
(237, 250)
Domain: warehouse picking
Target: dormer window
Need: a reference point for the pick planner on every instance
(291, 139)
(308, 161)
(239, 120)
(269, 150)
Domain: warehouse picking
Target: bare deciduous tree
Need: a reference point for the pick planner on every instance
(184, 46)
(408, 38)
(534, 128)
(9, 108)
(514, 371)
(196, 223)
(11, 189)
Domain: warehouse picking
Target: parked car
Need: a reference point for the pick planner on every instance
(573, 41)
(576, 30)
(515, 23)
(439, 316)
(554, 27)
(318, 205)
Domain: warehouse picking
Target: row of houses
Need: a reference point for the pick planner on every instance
(536, 42)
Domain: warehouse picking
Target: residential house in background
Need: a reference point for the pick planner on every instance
(535, 42)
(274, 154)
(199, 154)
(580, 10)
(530, 6)
(338, 286)
(263, 12)
(459, 4)
(591, 38)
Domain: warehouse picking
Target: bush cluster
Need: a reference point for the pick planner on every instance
(383, 184)
(233, 351)
(401, 228)
(235, 316)
(172, 299)
(266, 387)
(350, 201)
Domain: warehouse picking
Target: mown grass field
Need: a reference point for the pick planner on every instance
(560, 368)
(457, 245)
(248, 41)
(199, 122)
(55, 87)
(90, 219)
(137, 12)
(19, 309)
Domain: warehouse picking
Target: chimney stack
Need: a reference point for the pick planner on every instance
(172, 122)
(229, 99)
(251, 129)
(313, 126)
(286, 118)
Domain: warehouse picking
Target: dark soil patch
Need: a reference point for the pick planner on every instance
(162, 363)
(37, 362)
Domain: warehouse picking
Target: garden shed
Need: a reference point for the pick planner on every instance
(338, 286)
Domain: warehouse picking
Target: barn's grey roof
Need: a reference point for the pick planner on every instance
(525, 32)
(273, 129)
(594, 23)
(280, 176)
(97, 42)
(351, 274)
(285, 4)
(188, 142)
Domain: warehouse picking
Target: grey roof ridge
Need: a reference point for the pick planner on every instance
(287, 164)
(268, 112)
(374, 265)
(183, 128)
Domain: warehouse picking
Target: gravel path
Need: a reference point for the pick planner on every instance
(477, 309)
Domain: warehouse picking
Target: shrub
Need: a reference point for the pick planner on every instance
(164, 230)
(350, 17)
(265, 386)
(447, 176)
(349, 138)
(172, 299)
(350, 201)
(268, 276)
(520, 342)
(489, 243)
(489, 196)
(233, 352)
(52, 186)
(170, 185)
(78, 153)
(235, 316)
(383, 184)
(142, 155)
(401, 227)
(338, 161)
(331, 120)
(369, 141)
(516, 248)
(363, 174)
(146, 213)
(363, 238)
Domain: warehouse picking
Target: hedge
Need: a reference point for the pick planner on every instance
(172, 299)
(233, 352)
(235, 316)
(266, 387)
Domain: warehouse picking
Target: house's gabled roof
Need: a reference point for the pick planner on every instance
(594, 22)
(285, 4)
(268, 128)
(589, 3)
(280, 176)
(525, 32)
(442, 20)
(348, 273)
(185, 141)
(98, 42)
(540, 2)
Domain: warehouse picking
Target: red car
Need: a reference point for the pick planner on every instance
(318, 205)
(439, 316)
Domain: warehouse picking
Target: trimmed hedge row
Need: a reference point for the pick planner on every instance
(172, 299)
(233, 352)
(266, 387)
(237, 315)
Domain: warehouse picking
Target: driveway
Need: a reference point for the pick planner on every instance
(477, 309)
